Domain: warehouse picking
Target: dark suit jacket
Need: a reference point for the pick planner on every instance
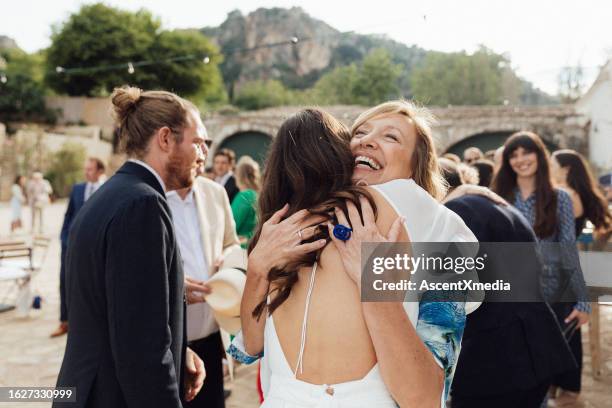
(77, 199)
(231, 188)
(124, 277)
(506, 346)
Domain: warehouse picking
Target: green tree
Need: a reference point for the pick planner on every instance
(103, 36)
(377, 80)
(22, 94)
(460, 79)
(262, 94)
(337, 86)
(66, 168)
(373, 81)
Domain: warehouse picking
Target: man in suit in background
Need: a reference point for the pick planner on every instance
(205, 231)
(124, 275)
(223, 164)
(94, 170)
(510, 350)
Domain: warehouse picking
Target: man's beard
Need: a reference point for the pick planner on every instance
(179, 172)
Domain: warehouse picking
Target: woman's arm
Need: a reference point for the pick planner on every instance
(407, 366)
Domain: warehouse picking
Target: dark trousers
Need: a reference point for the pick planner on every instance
(210, 350)
(63, 307)
(531, 398)
(569, 380)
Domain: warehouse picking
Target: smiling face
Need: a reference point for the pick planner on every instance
(523, 162)
(383, 148)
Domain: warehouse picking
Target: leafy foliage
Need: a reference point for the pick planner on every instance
(22, 96)
(99, 35)
(262, 94)
(66, 168)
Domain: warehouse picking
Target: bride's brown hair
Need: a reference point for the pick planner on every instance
(309, 165)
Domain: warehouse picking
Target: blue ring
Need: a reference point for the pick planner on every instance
(342, 232)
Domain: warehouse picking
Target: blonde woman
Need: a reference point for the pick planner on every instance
(248, 180)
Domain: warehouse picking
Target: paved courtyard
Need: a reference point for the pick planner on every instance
(28, 357)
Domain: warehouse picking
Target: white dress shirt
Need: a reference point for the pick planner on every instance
(200, 319)
(223, 179)
(91, 188)
(146, 166)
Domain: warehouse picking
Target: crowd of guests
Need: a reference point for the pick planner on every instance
(558, 195)
(164, 202)
(36, 193)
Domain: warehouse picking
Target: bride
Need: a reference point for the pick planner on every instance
(320, 343)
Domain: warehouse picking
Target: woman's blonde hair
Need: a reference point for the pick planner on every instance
(248, 174)
(426, 171)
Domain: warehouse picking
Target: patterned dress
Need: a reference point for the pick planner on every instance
(564, 259)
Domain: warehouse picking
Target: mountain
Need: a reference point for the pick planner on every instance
(267, 32)
(320, 47)
(7, 43)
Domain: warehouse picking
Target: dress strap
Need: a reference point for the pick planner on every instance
(299, 364)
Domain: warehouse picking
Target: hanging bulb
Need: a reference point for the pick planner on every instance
(206, 59)
(130, 68)
(59, 69)
(3, 78)
(294, 40)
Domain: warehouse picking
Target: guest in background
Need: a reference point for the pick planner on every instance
(571, 173)
(209, 173)
(471, 154)
(223, 164)
(497, 159)
(38, 192)
(485, 171)
(489, 155)
(468, 173)
(17, 201)
(93, 170)
(248, 179)
(452, 157)
(510, 351)
(205, 231)
(524, 180)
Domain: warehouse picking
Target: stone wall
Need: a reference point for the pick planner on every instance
(561, 125)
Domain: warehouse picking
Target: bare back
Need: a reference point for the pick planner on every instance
(338, 347)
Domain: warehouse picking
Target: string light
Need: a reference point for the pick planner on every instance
(206, 59)
(3, 78)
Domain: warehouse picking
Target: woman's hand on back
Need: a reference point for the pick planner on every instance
(280, 241)
(364, 230)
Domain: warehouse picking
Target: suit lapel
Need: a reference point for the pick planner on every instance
(201, 202)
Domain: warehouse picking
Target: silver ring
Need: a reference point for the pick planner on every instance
(299, 232)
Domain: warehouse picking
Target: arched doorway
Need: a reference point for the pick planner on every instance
(252, 143)
(487, 141)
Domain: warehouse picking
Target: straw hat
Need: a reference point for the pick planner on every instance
(226, 286)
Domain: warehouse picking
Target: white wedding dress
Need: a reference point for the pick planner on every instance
(426, 221)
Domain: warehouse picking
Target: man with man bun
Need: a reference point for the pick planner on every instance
(124, 276)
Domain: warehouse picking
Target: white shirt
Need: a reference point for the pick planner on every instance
(223, 179)
(91, 188)
(200, 319)
(146, 166)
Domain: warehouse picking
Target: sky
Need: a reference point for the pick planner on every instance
(539, 36)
